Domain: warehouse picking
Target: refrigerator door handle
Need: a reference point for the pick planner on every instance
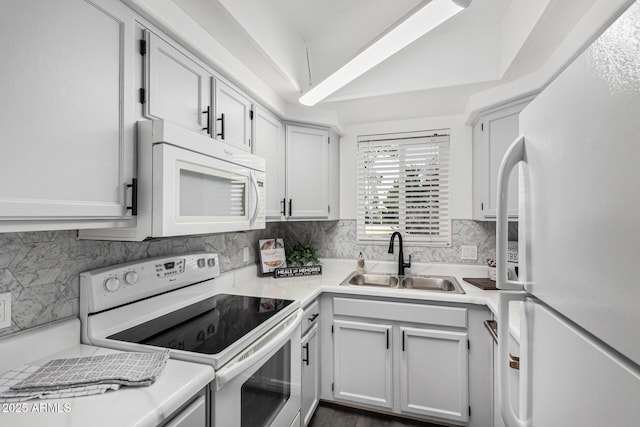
(513, 156)
(504, 363)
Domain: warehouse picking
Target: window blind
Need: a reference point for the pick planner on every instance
(403, 185)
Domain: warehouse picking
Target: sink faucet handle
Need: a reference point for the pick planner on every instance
(408, 264)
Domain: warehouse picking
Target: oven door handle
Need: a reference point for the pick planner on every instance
(263, 347)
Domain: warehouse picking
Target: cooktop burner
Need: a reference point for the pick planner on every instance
(208, 326)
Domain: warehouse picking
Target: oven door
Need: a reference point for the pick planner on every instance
(261, 386)
(196, 194)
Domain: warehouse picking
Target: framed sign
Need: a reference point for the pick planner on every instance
(272, 255)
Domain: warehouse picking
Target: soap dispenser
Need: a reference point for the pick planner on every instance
(360, 264)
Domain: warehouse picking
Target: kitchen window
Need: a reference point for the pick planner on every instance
(403, 185)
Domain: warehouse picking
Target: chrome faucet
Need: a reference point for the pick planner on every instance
(401, 264)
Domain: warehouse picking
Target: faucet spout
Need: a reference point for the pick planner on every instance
(401, 264)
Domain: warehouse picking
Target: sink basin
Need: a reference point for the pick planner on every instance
(432, 283)
(370, 279)
(424, 283)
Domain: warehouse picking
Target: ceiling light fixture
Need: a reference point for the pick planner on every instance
(415, 26)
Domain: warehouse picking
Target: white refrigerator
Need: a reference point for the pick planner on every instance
(579, 242)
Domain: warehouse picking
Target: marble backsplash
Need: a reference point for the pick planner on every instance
(337, 239)
(41, 269)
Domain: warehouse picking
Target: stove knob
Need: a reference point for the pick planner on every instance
(130, 277)
(201, 263)
(112, 284)
(211, 262)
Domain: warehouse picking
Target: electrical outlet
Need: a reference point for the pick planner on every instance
(245, 254)
(5, 310)
(469, 253)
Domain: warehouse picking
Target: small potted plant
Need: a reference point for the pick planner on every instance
(299, 255)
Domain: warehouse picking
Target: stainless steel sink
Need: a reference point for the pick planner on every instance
(418, 282)
(432, 283)
(370, 279)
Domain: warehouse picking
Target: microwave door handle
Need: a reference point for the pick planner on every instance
(256, 200)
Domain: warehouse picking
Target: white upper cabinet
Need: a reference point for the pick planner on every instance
(493, 133)
(269, 144)
(303, 169)
(307, 172)
(178, 89)
(67, 114)
(334, 176)
(233, 115)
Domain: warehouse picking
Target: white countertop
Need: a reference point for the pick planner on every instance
(305, 289)
(179, 381)
(128, 406)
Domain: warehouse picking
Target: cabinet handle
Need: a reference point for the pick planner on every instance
(314, 317)
(492, 327)
(402, 340)
(221, 120)
(514, 362)
(208, 113)
(134, 196)
(387, 339)
(290, 207)
(284, 207)
(306, 358)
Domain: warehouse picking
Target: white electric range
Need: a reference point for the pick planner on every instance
(173, 302)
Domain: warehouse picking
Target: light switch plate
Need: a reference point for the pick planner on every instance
(245, 254)
(5, 310)
(469, 253)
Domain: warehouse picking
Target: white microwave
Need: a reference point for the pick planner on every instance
(190, 184)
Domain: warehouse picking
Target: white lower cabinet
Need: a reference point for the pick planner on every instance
(363, 363)
(434, 373)
(310, 375)
(430, 361)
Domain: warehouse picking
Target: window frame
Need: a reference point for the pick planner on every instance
(400, 146)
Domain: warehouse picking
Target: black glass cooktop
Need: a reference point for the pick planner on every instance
(208, 326)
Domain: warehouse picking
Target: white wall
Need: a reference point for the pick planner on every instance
(460, 158)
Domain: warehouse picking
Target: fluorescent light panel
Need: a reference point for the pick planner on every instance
(420, 23)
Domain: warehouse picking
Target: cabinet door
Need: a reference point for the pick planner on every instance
(363, 363)
(310, 375)
(67, 113)
(179, 90)
(232, 121)
(434, 373)
(307, 172)
(334, 176)
(269, 144)
(492, 135)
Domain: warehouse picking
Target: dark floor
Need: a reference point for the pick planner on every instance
(329, 415)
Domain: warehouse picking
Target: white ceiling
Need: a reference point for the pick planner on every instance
(292, 44)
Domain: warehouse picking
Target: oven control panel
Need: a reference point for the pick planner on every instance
(125, 283)
(170, 268)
